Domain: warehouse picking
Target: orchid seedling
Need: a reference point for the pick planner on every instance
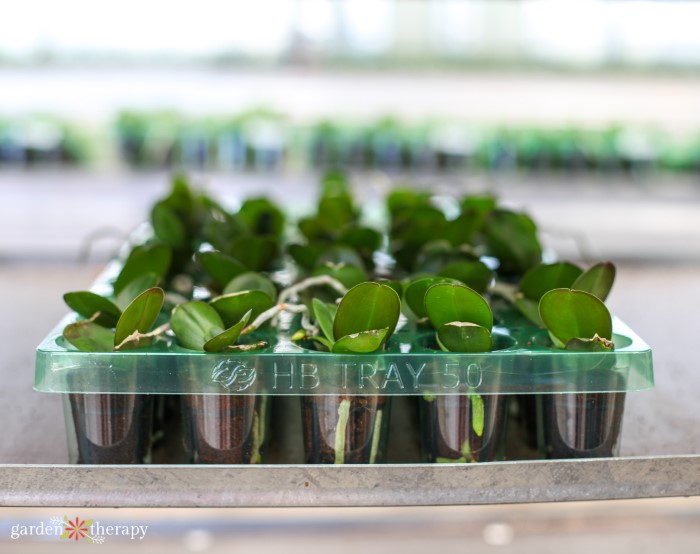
(198, 326)
(463, 322)
(107, 328)
(363, 321)
(597, 280)
(577, 320)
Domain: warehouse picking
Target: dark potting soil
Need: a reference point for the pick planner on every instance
(320, 421)
(581, 425)
(223, 429)
(112, 428)
(448, 432)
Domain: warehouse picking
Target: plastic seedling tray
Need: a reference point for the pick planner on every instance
(570, 403)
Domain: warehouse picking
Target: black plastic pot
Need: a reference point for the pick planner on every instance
(112, 428)
(363, 421)
(451, 432)
(224, 429)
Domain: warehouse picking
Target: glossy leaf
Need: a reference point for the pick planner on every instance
(545, 277)
(480, 204)
(348, 275)
(338, 210)
(89, 337)
(597, 280)
(251, 280)
(461, 230)
(459, 336)
(221, 267)
(361, 343)
(232, 307)
(362, 239)
(324, 314)
(262, 217)
(140, 315)
(228, 337)
(512, 238)
(367, 307)
(256, 253)
(195, 323)
(435, 255)
(572, 314)
(87, 304)
(476, 275)
(396, 285)
(446, 303)
(415, 293)
(340, 255)
(152, 258)
(167, 226)
(529, 308)
(134, 288)
(402, 200)
(305, 255)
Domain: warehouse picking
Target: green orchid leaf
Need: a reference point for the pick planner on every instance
(195, 323)
(232, 307)
(134, 288)
(436, 254)
(328, 345)
(404, 199)
(305, 255)
(512, 238)
(419, 226)
(262, 217)
(596, 344)
(366, 307)
(362, 239)
(480, 204)
(87, 304)
(167, 226)
(529, 308)
(251, 280)
(415, 293)
(446, 303)
(89, 337)
(459, 336)
(597, 280)
(317, 230)
(396, 285)
(348, 275)
(256, 253)
(545, 277)
(228, 337)
(140, 315)
(221, 267)
(144, 259)
(461, 230)
(572, 314)
(337, 255)
(361, 343)
(324, 314)
(337, 210)
(476, 275)
(335, 183)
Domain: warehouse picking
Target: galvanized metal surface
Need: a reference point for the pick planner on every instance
(384, 485)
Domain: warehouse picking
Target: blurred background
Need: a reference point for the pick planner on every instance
(586, 113)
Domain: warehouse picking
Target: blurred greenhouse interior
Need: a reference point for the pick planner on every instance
(583, 113)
